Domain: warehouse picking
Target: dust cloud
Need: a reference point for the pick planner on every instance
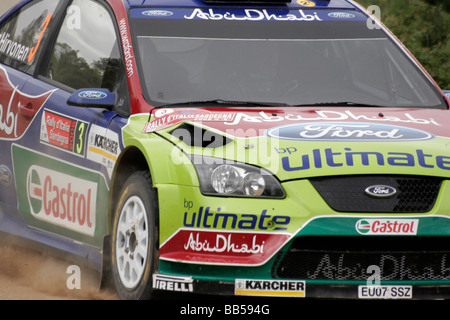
(27, 274)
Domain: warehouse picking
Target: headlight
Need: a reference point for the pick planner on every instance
(227, 178)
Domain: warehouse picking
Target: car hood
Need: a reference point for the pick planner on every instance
(296, 143)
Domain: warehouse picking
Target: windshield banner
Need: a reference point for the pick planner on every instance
(246, 14)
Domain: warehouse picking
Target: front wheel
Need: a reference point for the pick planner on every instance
(134, 238)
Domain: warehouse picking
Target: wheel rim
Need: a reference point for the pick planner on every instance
(132, 242)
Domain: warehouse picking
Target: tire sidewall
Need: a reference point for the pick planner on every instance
(138, 185)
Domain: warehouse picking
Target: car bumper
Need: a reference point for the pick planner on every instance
(317, 252)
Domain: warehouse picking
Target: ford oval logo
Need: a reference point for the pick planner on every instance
(341, 15)
(95, 95)
(157, 13)
(5, 175)
(347, 131)
(381, 191)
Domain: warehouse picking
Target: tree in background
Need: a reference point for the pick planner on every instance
(424, 28)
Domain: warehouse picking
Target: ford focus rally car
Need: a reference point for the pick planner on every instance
(274, 148)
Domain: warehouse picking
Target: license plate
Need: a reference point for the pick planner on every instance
(384, 292)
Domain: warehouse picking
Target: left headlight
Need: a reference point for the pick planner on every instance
(221, 177)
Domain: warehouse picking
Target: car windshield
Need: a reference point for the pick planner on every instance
(283, 57)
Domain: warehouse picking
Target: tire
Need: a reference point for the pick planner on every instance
(134, 240)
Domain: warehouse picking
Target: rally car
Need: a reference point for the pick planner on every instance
(263, 148)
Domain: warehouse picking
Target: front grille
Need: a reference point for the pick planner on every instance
(415, 194)
(348, 258)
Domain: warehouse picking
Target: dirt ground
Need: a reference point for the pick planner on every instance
(28, 274)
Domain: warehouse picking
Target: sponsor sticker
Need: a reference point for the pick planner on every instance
(103, 147)
(63, 132)
(127, 47)
(347, 131)
(235, 14)
(17, 108)
(62, 200)
(223, 248)
(331, 115)
(165, 118)
(157, 13)
(387, 226)
(92, 95)
(173, 283)
(216, 219)
(272, 288)
(252, 15)
(295, 160)
(341, 15)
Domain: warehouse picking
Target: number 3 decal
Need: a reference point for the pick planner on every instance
(79, 145)
(35, 49)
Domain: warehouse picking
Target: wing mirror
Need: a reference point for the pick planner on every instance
(92, 98)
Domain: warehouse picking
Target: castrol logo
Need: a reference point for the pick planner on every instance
(62, 200)
(387, 226)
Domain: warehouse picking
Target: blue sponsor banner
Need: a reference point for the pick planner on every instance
(241, 14)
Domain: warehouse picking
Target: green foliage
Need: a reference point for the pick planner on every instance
(424, 28)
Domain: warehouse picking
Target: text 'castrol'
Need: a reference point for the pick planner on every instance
(62, 200)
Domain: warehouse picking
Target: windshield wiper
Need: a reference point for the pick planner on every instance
(222, 102)
(340, 104)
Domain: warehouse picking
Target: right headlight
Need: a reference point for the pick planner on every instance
(221, 177)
